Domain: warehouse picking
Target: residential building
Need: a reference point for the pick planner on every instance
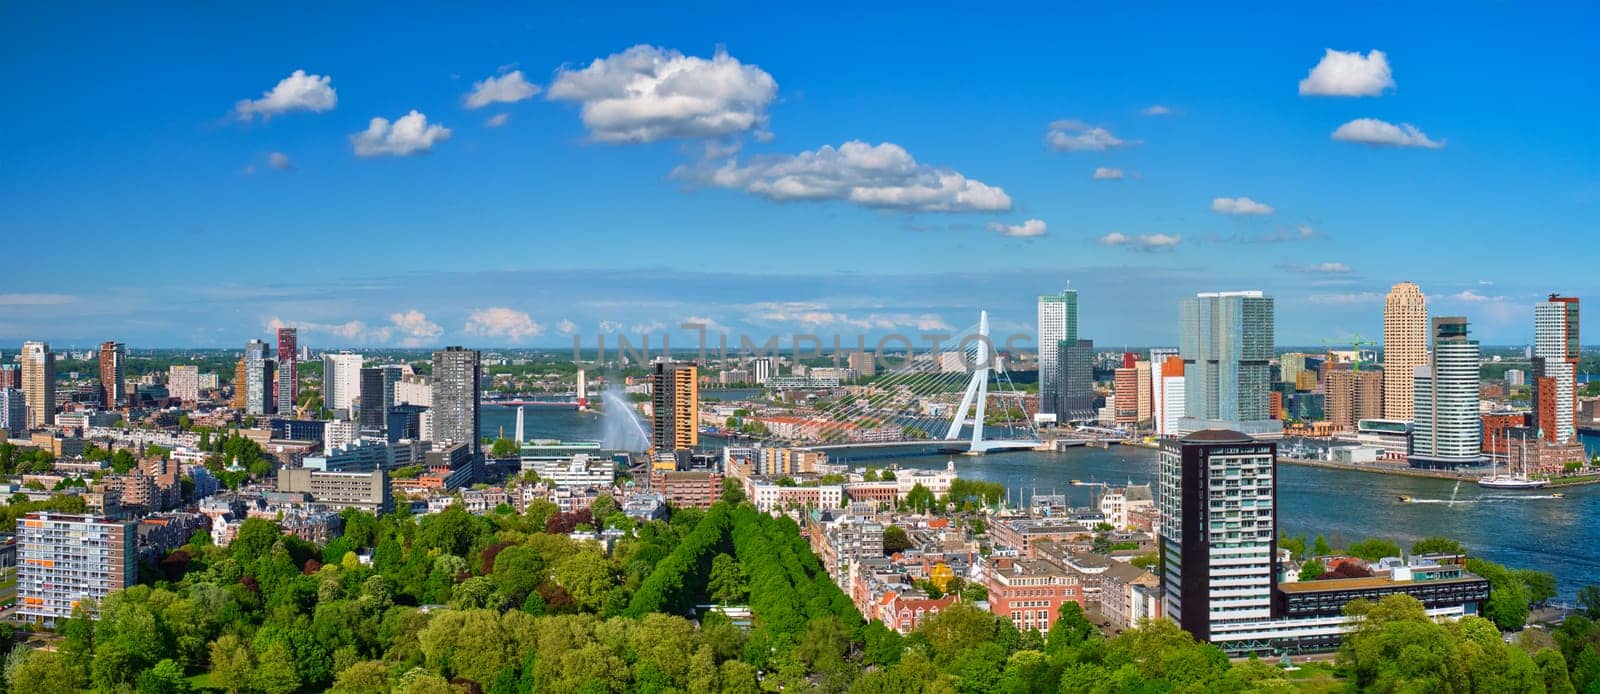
(675, 396)
(288, 370)
(1217, 529)
(1030, 592)
(258, 394)
(13, 411)
(1447, 431)
(239, 390)
(1405, 347)
(415, 389)
(690, 489)
(39, 383)
(1227, 348)
(64, 559)
(1169, 408)
(183, 382)
(456, 388)
(113, 375)
(1058, 324)
(11, 376)
(364, 490)
(341, 382)
(580, 470)
(761, 369)
(1126, 384)
(1351, 396)
(1555, 368)
(376, 396)
(1145, 404)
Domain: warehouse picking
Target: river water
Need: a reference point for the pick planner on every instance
(1515, 529)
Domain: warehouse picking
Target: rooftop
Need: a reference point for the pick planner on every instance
(1363, 583)
(1217, 436)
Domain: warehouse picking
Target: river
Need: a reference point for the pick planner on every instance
(1555, 535)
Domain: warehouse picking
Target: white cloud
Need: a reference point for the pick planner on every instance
(1371, 131)
(1348, 74)
(505, 89)
(1157, 110)
(1328, 268)
(1240, 205)
(1077, 136)
(1030, 228)
(566, 327)
(1103, 173)
(1469, 296)
(646, 94)
(406, 136)
(279, 161)
(884, 176)
(36, 299)
(502, 322)
(497, 120)
(1346, 299)
(813, 315)
(415, 327)
(710, 324)
(1142, 242)
(352, 332)
(297, 92)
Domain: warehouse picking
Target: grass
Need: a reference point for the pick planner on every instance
(1320, 678)
(1577, 479)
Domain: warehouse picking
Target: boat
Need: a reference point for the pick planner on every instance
(1558, 495)
(1405, 498)
(1510, 480)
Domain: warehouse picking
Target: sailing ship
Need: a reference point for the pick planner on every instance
(1511, 480)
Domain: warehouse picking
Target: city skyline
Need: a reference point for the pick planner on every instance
(1339, 157)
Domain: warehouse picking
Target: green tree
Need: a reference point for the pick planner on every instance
(1589, 601)
(920, 498)
(504, 448)
(166, 677)
(1312, 569)
(727, 585)
(895, 540)
(732, 491)
(1374, 548)
(1437, 545)
(1320, 548)
(1070, 629)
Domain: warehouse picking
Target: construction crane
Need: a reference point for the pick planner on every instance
(1356, 343)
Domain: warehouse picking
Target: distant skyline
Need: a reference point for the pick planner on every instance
(510, 178)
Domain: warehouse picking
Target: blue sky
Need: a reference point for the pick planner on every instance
(672, 182)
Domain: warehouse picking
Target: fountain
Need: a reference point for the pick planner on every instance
(622, 427)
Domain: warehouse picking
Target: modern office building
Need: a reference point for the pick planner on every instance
(1169, 408)
(113, 375)
(1125, 383)
(1226, 340)
(415, 389)
(183, 382)
(1146, 404)
(1074, 395)
(377, 395)
(1555, 368)
(455, 397)
(675, 400)
(39, 383)
(341, 382)
(288, 369)
(13, 411)
(1405, 347)
(364, 490)
(64, 559)
(405, 422)
(1218, 530)
(1447, 429)
(1352, 396)
(1058, 324)
(258, 393)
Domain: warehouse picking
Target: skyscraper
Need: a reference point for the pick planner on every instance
(288, 369)
(1405, 347)
(1058, 323)
(675, 396)
(1074, 395)
(1447, 429)
(377, 395)
(1218, 530)
(239, 389)
(113, 375)
(1226, 339)
(183, 382)
(1555, 368)
(257, 379)
(341, 382)
(13, 411)
(1352, 396)
(1169, 408)
(455, 397)
(39, 383)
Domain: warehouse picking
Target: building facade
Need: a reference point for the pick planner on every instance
(1169, 407)
(1352, 396)
(1058, 323)
(456, 385)
(13, 411)
(1447, 430)
(1226, 340)
(364, 490)
(1405, 347)
(288, 369)
(1074, 381)
(39, 383)
(64, 559)
(258, 395)
(675, 397)
(1555, 368)
(183, 382)
(341, 381)
(113, 375)
(377, 396)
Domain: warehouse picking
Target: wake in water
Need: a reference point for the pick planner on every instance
(1487, 498)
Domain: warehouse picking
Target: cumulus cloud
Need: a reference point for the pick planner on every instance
(1077, 136)
(883, 176)
(279, 161)
(502, 322)
(1377, 133)
(1240, 205)
(1156, 110)
(1469, 296)
(1103, 173)
(709, 324)
(814, 315)
(1348, 74)
(414, 327)
(410, 134)
(1142, 242)
(646, 94)
(297, 92)
(1328, 268)
(1030, 228)
(566, 327)
(351, 332)
(497, 120)
(508, 88)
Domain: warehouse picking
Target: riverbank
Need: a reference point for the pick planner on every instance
(1408, 471)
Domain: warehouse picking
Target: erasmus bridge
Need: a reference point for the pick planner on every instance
(957, 396)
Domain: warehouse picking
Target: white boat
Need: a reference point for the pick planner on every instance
(1509, 480)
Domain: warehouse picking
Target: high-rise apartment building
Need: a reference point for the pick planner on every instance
(258, 395)
(455, 397)
(1555, 368)
(1074, 395)
(1125, 383)
(341, 382)
(1405, 347)
(675, 400)
(1058, 324)
(1146, 404)
(1447, 430)
(377, 395)
(113, 375)
(1169, 408)
(1218, 531)
(10, 376)
(64, 559)
(183, 382)
(1226, 340)
(239, 390)
(1351, 396)
(39, 383)
(761, 369)
(288, 369)
(415, 389)
(13, 411)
